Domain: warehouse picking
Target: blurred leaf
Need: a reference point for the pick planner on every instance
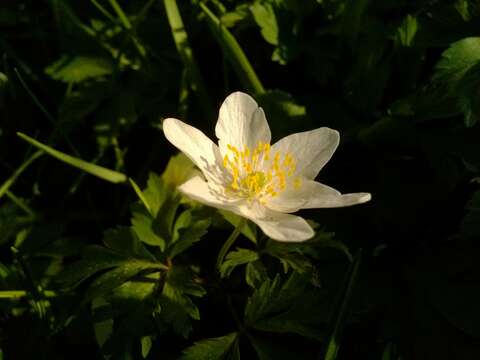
(232, 18)
(236, 258)
(406, 32)
(281, 106)
(471, 223)
(99, 171)
(264, 16)
(146, 342)
(74, 69)
(212, 349)
(457, 59)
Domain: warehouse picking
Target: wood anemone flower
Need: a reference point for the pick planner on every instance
(258, 181)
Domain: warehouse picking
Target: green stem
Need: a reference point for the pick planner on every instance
(20, 203)
(228, 244)
(17, 294)
(333, 343)
(11, 180)
(234, 53)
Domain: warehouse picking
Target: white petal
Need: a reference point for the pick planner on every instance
(241, 123)
(195, 144)
(276, 225)
(311, 149)
(312, 194)
(322, 196)
(198, 189)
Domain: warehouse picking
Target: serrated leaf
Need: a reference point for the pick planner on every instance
(103, 329)
(137, 289)
(273, 296)
(124, 241)
(144, 226)
(236, 258)
(187, 236)
(156, 193)
(74, 69)
(116, 277)
(457, 59)
(211, 349)
(96, 259)
(264, 16)
(177, 308)
(255, 274)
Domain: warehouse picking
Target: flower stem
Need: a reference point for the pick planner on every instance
(228, 244)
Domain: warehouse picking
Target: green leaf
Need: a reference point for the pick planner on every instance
(188, 235)
(236, 258)
(272, 297)
(255, 274)
(264, 16)
(124, 241)
(457, 59)
(103, 329)
(156, 193)
(275, 307)
(146, 343)
(96, 258)
(406, 32)
(146, 228)
(74, 69)
(99, 171)
(179, 169)
(248, 228)
(116, 277)
(211, 349)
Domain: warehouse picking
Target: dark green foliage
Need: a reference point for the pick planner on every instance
(102, 257)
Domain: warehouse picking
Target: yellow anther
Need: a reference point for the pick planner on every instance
(255, 176)
(297, 183)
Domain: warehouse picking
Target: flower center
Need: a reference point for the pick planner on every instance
(258, 175)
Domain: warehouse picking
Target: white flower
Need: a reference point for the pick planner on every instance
(261, 182)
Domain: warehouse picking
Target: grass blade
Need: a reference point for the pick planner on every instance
(11, 180)
(234, 53)
(180, 37)
(333, 342)
(99, 171)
